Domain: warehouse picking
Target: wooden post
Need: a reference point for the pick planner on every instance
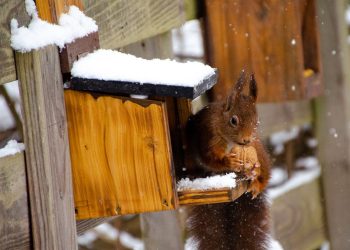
(47, 149)
(160, 231)
(333, 119)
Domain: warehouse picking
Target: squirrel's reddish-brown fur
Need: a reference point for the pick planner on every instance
(242, 224)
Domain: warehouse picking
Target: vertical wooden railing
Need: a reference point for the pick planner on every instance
(333, 119)
(48, 163)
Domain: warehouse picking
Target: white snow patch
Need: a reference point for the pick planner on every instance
(7, 121)
(211, 182)
(347, 15)
(129, 241)
(191, 244)
(87, 239)
(40, 33)
(187, 40)
(312, 143)
(298, 179)
(307, 162)
(284, 136)
(278, 175)
(274, 245)
(31, 8)
(325, 246)
(12, 147)
(112, 65)
(110, 233)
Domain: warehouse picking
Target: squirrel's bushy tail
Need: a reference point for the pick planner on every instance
(239, 225)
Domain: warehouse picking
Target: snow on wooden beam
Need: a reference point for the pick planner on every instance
(113, 72)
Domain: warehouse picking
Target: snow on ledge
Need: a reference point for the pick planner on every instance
(211, 182)
(298, 179)
(40, 33)
(11, 148)
(110, 65)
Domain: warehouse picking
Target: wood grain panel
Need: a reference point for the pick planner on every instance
(50, 10)
(14, 210)
(122, 22)
(9, 9)
(47, 149)
(121, 155)
(298, 219)
(264, 37)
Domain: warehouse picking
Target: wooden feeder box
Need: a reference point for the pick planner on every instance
(121, 149)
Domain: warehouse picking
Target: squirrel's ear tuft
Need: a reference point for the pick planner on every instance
(253, 87)
(236, 90)
(240, 83)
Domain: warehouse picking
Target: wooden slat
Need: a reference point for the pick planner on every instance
(9, 9)
(332, 121)
(47, 149)
(50, 10)
(298, 220)
(198, 197)
(124, 22)
(121, 155)
(14, 210)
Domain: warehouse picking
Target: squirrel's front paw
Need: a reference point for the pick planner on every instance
(252, 170)
(255, 188)
(232, 162)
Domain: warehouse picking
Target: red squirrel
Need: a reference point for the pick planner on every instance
(212, 132)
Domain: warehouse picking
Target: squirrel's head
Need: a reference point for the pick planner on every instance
(240, 115)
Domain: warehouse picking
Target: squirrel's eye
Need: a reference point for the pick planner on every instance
(234, 121)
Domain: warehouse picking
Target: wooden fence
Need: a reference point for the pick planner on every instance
(36, 200)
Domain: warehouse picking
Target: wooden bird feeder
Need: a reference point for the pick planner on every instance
(121, 148)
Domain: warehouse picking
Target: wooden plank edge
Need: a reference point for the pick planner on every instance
(198, 197)
(117, 87)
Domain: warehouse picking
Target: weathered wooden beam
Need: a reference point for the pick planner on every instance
(14, 210)
(125, 22)
(9, 9)
(47, 149)
(298, 218)
(332, 121)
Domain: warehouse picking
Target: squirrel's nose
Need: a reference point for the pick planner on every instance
(246, 140)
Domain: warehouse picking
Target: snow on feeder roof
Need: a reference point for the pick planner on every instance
(114, 72)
